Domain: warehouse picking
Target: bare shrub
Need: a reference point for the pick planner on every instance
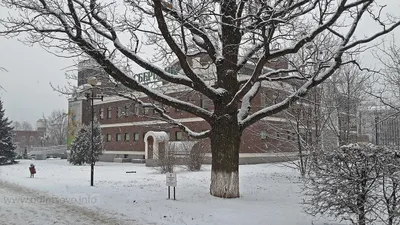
(167, 161)
(357, 182)
(197, 154)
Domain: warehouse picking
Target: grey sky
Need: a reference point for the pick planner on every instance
(28, 94)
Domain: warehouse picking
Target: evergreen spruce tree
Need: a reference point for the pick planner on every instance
(6, 145)
(98, 141)
(81, 147)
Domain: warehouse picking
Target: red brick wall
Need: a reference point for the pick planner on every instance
(27, 138)
(277, 139)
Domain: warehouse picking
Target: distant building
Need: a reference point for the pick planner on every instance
(27, 139)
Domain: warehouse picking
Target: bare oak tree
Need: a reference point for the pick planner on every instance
(229, 32)
(25, 125)
(56, 127)
(344, 95)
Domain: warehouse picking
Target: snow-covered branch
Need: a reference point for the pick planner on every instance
(198, 83)
(323, 75)
(163, 114)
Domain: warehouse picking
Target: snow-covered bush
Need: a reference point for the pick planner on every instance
(197, 154)
(81, 146)
(345, 183)
(389, 185)
(167, 162)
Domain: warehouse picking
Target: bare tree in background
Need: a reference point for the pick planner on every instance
(388, 89)
(25, 125)
(22, 125)
(328, 116)
(231, 34)
(344, 95)
(16, 125)
(56, 127)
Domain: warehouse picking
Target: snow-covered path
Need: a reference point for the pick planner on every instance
(20, 206)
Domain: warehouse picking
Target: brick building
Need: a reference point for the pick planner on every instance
(125, 123)
(27, 139)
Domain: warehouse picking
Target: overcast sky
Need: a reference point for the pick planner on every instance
(28, 94)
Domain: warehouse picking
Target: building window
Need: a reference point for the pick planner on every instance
(108, 137)
(109, 110)
(136, 136)
(136, 109)
(118, 137)
(205, 103)
(147, 110)
(178, 135)
(263, 99)
(119, 112)
(263, 135)
(101, 113)
(127, 137)
(126, 110)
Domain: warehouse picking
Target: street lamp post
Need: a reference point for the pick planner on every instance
(91, 97)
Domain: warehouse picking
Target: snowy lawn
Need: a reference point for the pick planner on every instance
(270, 193)
(17, 208)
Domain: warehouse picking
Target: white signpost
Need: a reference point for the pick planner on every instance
(171, 182)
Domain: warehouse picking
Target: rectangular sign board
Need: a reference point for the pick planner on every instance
(171, 179)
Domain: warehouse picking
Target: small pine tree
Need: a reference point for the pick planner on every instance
(6, 146)
(81, 147)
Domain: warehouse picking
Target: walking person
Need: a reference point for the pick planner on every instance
(32, 170)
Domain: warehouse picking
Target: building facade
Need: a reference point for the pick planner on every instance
(125, 123)
(28, 139)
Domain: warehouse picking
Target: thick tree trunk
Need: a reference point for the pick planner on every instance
(225, 143)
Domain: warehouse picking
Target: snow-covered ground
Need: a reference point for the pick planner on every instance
(270, 195)
(20, 205)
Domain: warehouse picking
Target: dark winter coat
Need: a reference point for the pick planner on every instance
(32, 169)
